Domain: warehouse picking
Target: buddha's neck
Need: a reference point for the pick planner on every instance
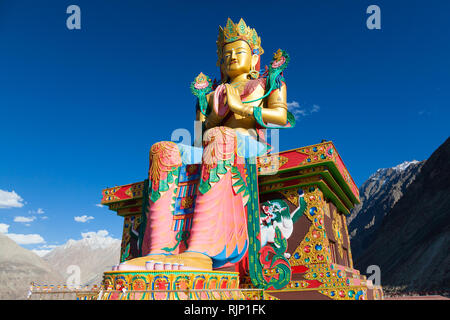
(240, 78)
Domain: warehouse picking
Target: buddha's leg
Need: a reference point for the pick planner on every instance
(165, 161)
(219, 227)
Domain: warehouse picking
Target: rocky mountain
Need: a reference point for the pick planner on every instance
(378, 195)
(19, 267)
(411, 244)
(95, 253)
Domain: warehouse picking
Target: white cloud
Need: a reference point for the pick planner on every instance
(315, 108)
(48, 246)
(293, 104)
(10, 199)
(21, 238)
(41, 252)
(4, 228)
(93, 234)
(38, 211)
(26, 238)
(24, 219)
(297, 110)
(83, 218)
(424, 113)
(99, 205)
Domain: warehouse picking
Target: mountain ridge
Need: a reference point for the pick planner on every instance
(95, 253)
(378, 195)
(412, 241)
(19, 267)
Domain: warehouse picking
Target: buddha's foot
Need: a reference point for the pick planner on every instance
(183, 261)
(186, 261)
(138, 263)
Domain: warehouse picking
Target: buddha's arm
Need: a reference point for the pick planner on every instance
(276, 110)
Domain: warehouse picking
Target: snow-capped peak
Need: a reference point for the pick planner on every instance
(94, 240)
(404, 165)
(381, 173)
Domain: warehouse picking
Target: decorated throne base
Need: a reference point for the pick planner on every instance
(315, 262)
(171, 285)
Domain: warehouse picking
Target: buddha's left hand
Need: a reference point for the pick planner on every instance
(234, 100)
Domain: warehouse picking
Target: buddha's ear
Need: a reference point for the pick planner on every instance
(255, 59)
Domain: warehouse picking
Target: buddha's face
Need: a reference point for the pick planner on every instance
(237, 58)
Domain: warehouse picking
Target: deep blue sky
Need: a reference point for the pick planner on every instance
(81, 108)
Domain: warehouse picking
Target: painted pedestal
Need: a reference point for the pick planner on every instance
(171, 285)
(305, 195)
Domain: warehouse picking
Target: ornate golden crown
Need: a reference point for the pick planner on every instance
(240, 31)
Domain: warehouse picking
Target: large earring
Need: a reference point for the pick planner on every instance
(254, 74)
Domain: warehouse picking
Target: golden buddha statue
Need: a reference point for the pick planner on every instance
(232, 116)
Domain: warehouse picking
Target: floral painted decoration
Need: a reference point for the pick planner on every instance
(200, 87)
(201, 82)
(278, 59)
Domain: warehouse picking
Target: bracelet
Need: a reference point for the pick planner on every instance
(248, 111)
(245, 112)
(257, 113)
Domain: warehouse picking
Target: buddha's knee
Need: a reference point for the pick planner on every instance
(164, 156)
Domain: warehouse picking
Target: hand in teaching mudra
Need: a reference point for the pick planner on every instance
(234, 102)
